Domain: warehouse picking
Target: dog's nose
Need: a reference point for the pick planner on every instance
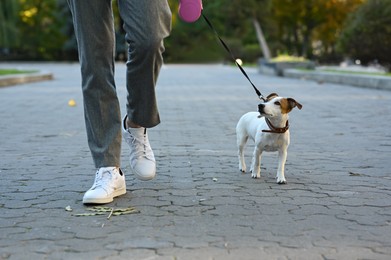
(261, 107)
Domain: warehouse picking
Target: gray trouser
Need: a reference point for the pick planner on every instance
(146, 23)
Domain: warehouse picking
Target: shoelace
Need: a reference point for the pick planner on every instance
(102, 179)
(141, 147)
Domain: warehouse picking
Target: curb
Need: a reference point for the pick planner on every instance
(11, 80)
(363, 81)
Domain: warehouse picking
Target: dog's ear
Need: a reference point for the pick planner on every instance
(271, 96)
(293, 103)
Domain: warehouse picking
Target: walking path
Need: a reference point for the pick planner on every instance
(336, 205)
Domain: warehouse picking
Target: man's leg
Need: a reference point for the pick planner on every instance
(146, 24)
(94, 29)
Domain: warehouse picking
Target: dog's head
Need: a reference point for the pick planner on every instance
(277, 106)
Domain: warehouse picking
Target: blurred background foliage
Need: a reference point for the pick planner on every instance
(327, 31)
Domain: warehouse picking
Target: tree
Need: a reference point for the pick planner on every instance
(8, 19)
(310, 28)
(296, 21)
(327, 33)
(244, 20)
(42, 29)
(40, 26)
(233, 20)
(367, 33)
(192, 42)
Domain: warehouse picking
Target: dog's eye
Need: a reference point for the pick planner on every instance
(277, 103)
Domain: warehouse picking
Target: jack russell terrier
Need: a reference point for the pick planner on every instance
(269, 129)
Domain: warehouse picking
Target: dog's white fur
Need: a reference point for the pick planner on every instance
(251, 124)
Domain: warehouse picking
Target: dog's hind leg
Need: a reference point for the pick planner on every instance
(241, 142)
(256, 163)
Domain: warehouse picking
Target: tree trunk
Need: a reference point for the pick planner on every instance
(261, 39)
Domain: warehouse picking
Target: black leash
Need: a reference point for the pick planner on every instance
(233, 57)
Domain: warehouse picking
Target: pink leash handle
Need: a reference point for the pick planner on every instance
(190, 10)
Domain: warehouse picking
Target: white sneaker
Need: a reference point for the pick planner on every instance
(142, 160)
(109, 183)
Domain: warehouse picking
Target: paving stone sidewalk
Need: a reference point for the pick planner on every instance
(336, 205)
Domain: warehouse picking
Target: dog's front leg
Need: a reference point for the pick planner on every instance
(256, 163)
(282, 154)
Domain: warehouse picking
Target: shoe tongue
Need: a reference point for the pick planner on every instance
(106, 170)
(137, 131)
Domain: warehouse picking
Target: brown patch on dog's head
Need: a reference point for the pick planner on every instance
(287, 104)
(271, 96)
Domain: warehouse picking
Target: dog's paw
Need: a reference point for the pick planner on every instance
(242, 167)
(255, 176)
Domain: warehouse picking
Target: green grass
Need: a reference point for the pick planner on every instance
(358, 72)
(350, 72)
(288, 58)
(14, 71)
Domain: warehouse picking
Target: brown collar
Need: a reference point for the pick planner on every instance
(275, 129)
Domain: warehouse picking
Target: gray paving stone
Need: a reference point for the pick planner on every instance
(336, 204)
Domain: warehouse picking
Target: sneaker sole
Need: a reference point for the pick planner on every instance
(105, 200)
(144, 178)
